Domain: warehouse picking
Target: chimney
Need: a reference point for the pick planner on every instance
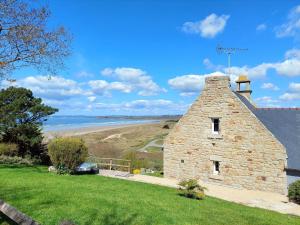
(246, 92)
(217, 82)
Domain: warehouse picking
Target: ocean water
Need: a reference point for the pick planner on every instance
(55, 123)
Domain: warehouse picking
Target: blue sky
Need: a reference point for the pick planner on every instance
(151, 57)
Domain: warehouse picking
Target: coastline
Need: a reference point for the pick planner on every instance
(48, 135)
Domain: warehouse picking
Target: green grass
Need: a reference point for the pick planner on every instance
(153, 149)
(90, 199)
(159, 142)
(155, 174)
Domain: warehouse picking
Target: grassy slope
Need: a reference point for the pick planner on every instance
(89, 199)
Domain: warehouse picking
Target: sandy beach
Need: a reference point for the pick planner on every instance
(87, 130)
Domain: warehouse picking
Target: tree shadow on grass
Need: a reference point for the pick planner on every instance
(115, 217)
(22, 166)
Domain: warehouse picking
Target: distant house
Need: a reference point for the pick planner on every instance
(225, 139)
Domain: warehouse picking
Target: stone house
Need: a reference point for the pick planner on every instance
(225, 139)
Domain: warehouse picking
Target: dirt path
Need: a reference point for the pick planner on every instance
(150, 144)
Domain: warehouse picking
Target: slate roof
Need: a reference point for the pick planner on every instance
(284, 123)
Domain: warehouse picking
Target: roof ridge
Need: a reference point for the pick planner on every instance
(278, 108)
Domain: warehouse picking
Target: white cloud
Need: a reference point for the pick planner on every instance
(292, 27)
(92, 98)
(261, 27)
(107, 71)
(133, 79)
(290, 66)
(290, 96)
(292, 54)
(267, 101)
(102, 87)
(55, 87)
(293, 92)
(208, 27)
(142, 106)
(192, 84)
(294, 87)
(253, 72)
(270, 86)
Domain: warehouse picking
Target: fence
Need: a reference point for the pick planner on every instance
(111, 163)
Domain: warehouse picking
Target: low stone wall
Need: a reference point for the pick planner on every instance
(15, 215)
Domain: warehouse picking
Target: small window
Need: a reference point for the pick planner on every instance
(182, 161)
(215, 125)
(216, 170)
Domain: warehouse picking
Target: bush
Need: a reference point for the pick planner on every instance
(136, 162)
(15, 160)
(67, 153)
(294, 192)
(8, 149)
(191, 189)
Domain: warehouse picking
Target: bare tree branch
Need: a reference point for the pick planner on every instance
(25, 39)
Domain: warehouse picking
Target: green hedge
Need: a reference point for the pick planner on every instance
(294, 192)
(8, 149)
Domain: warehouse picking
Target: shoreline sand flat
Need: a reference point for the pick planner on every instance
(48, 135)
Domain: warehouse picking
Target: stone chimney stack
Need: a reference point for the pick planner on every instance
(217, 82)
(246, 92)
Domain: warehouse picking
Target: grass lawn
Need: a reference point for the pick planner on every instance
(91, 199)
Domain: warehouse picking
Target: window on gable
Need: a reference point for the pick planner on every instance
(216, 167)
(215, 125)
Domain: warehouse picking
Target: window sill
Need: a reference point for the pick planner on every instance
(215, 136)
(216, 177)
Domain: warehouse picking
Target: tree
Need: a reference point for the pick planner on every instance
(21, 117)
(25, 39)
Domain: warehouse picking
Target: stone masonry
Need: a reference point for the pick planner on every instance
(250, 156)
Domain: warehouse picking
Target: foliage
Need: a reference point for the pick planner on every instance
(67, 153)
(8, 149)
(15, 160)
(191, 189)
(98, 200)
(136, 163)
(25, 39)
(156, 174)
(21, 117)
(166, 126)
(294, 192)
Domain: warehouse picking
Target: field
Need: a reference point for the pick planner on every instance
(91, 199)
(117, 142)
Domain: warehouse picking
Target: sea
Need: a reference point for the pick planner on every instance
(56, 123)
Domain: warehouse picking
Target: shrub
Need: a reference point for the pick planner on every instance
(294, 192)
(15, 160)
(67, 153)
(136, 162)
(191, 189)
(166, 126)
(8, 149)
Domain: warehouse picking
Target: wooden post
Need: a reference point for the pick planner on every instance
(110, 164)
(129, 167)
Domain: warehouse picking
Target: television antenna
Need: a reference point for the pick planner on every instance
(229, 51)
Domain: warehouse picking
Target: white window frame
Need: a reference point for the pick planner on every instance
(213, 125)
(215, 171)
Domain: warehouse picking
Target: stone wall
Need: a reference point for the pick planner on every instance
(250, 156)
